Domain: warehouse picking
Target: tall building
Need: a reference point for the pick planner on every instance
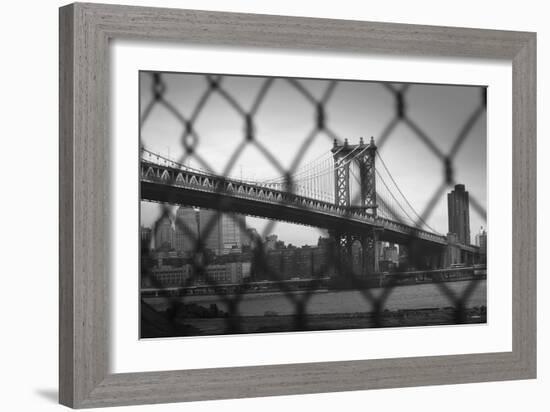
(481, 241)
(481, 238)
(210, 230)
(232, 227)
(458, 202)
(270, 242)
(249, 237)
(222, 233)
(145, 237)
(186, 229)
(164, 234)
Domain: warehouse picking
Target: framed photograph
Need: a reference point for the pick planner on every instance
(256, 205)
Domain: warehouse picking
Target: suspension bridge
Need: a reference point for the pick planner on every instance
(349, 191)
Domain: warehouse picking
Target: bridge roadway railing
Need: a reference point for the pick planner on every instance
(404, 229)
(213, 183)
(202, 181)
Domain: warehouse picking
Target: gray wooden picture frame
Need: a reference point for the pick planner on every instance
(85, 32)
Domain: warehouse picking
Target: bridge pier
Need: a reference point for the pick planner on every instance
(363, 155)
(343, 243)
(370, 246)
(433, 261)
(367, 263)
(452, 253)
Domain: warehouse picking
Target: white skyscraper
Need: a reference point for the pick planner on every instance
(164, 234)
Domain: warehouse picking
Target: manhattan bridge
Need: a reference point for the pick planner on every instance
(349, 191)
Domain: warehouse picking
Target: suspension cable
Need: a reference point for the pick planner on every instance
(391, 194)
(402, 195)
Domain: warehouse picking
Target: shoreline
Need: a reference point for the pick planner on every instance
(196, 326)
(222, 290)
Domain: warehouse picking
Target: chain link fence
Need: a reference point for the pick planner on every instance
(168, 299)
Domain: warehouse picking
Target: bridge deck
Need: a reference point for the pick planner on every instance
(190, 187)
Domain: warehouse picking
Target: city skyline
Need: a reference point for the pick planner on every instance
(220, 232)
(457, 199)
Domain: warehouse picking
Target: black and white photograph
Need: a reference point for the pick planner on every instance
(289, 204)
(273, 206)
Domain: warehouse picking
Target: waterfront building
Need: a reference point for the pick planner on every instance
(273, 263)
(323, 265)
(288, 265)
(291, 263)
(214, 274)
(238, 272)
(167, 277)
(218, 273)
(303, 263)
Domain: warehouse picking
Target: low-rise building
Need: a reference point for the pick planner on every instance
(166, 277)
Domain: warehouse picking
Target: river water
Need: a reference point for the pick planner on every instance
(402, 297)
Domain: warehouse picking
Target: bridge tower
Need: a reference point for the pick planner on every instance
(365, 159)
(363, 155)
(341, 154)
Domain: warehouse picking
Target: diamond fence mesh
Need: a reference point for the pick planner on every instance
(169, 279)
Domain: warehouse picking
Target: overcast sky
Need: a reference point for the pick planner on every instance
(354, 109)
